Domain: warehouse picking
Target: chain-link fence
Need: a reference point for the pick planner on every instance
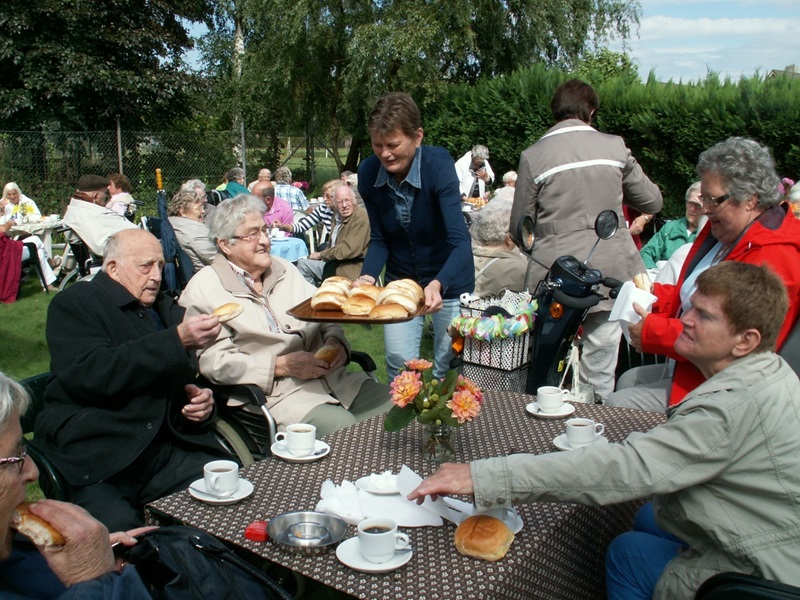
(47, 165)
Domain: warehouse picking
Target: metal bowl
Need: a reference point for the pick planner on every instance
(306, 532)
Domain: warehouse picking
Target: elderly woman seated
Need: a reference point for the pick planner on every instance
(264, 345)
(499, 265)
(14, 202)
(747, 222)
(186, 217)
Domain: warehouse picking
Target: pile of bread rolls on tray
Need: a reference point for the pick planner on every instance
(399, 299)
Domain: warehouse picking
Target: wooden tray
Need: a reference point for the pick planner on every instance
(304, 312)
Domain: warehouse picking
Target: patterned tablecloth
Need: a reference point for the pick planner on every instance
(558, 554)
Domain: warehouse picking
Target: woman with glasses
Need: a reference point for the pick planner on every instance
(747, 223)
(264, 345)
(186, 212)
(85, 564)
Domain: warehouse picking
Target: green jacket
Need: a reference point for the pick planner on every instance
(723, 470)
(669, 238)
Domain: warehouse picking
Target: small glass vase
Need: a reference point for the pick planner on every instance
(438, 444)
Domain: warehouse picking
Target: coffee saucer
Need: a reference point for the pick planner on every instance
(566, 410)
(349, 553)
(562, 443)
(321, 450)
(197, 491)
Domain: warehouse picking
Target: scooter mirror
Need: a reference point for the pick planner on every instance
(525, 233)
(606, 224)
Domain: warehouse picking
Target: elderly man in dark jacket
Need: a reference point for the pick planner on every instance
(123, 422)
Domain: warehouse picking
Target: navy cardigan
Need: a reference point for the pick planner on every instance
(437, 244)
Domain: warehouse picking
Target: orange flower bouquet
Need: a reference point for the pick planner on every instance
(440, 405)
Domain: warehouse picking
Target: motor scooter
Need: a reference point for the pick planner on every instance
(564, 297)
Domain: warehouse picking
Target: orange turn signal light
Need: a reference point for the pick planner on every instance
(556, 310)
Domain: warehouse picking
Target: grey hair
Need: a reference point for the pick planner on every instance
(13, 399)
(746, 168)
(231, 213)
(234, 174)
(509, 177)
(282, 175)
(491, 223)
(794, 193)
(11, 186)
(192, 185)
(480, 151)
(181, 201)
(695, 187)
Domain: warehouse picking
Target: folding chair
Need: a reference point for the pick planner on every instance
(32, 262)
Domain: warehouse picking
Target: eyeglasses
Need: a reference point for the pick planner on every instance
(253, 235)
(19, 458)
(709, 202)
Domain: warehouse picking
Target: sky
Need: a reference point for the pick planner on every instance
(684, 39)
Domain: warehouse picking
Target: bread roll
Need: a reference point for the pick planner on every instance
(396, 297)
(358, 305)
(339, 279)
(326, 353)
(334, 286)
(642, 281)
(388, 311)
(410, 286)
(327, 301)
(37, 529)
(370, 291)
(228, 311)
(482, 536)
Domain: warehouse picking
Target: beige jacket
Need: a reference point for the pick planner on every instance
(247, 349)
(723, 470)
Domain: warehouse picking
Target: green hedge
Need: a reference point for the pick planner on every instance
(666, 125)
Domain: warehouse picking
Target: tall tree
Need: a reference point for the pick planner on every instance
(325, 60)
(78, 64)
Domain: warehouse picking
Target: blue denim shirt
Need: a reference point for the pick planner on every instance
(417, 228)
(402, 194)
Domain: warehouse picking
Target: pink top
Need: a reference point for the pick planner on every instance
(281, 211)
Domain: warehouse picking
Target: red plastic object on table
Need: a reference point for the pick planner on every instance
(257, 531)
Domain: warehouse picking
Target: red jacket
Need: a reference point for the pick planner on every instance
(774, 239)
(10, 268)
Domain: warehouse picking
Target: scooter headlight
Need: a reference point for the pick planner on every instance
(556, 310)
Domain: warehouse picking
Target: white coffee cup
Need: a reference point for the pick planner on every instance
(221, 477)
(582, 432)
(550, 398)
(378, 539)
(298, 439)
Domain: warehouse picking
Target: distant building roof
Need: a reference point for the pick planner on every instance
(790, 71)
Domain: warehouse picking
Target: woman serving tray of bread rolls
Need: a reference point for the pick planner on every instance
(337, 301)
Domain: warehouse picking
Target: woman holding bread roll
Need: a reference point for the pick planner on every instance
(411, 193)
(82, 561)
(264, 345)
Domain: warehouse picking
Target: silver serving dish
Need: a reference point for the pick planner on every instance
(306, 532)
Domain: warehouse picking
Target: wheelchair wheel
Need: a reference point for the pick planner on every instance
(232, 440)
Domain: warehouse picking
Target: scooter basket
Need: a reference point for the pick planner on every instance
(497, 363)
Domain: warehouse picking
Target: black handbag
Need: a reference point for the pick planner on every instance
(186, 563)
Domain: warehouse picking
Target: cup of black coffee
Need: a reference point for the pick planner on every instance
(378, 539)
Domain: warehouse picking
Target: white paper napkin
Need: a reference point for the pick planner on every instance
(354, 505)
(622, 310)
